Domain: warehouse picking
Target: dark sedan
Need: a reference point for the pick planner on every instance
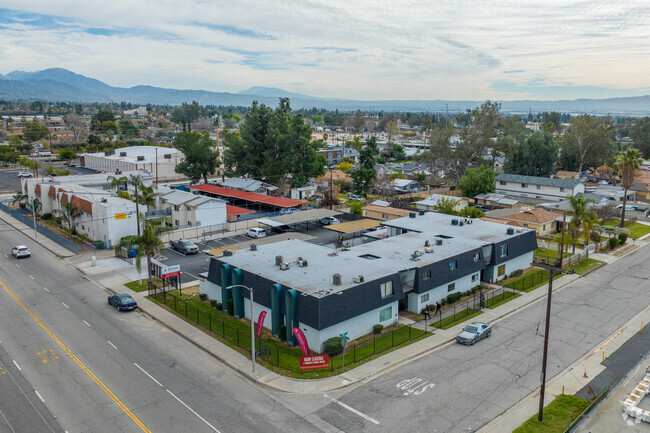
(281, 229)
(123, 302)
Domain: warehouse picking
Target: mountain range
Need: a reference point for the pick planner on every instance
(62, 85)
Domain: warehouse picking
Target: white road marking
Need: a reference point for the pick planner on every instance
(190, 409)
(45, 288)
(31, 277)
(39, 396)
(17, 265)
(410, 386)
(16, 364)
(191, 275)
(114, 346)
(353, 410)
(65, 305)
(5, 418)
(150, 376)
(87, 323)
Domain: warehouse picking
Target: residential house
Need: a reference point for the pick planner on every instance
(493, 200)
(190, 210)
(384, 213)
(431, 202)
(248, 185)
(613, 193)
(405, 185)
(534, 187)
(304, 192)
(541, 220)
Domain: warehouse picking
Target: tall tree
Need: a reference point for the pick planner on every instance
(640, 133)
(535, 156)
(200, 155)
(136, 181)
(477, 181)
(68, 213)
(67, 154)
(628, 163)
(589, 136)
(148, 244)
(365, 174)
(34, 131)
(578, 212)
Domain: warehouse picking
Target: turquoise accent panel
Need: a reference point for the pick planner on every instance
(225, 282)
(291, 307)
(237, 294)
(276, 309)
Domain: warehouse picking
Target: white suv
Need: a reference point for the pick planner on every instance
(20, 251)
(256, 233)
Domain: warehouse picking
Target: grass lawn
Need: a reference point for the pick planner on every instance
(530, 281)
(277, 355)
(557, 415)
(453, 320)
(137, 287)
(638, 230)
(586, 265)
(501, 299)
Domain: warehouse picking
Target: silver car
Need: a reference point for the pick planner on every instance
(474, 332)
(20, 251)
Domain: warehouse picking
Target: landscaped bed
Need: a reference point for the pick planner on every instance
(456, 318)
(557, 415)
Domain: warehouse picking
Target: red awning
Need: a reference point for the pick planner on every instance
(248, 196)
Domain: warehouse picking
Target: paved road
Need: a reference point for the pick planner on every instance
(103, 371)
(459, 388)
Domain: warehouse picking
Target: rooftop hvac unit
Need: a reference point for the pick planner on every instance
(227, 253)
(168, 156)
(421, 212)
(454, 222)
(510, 231)
(358, 279)
(284, 266)
(415, 257)
(418, 253)
(438, 241)
(411, 214)
(140, 157)
(278, 260)
(253, 247)
(427, 243)
(336, 279)
(460, 223)
(107, 153)
(302, 263)
(428, 250)
(122, 153)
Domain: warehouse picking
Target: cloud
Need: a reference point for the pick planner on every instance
(415, 49)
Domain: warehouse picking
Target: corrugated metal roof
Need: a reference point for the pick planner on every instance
(248, 196)
(236, 210)
(535, 180)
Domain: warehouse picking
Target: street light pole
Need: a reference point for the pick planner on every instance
(250, 290)
(331, 187)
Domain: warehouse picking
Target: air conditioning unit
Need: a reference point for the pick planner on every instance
(302, 263)
(415, 257)
(460, 223)
(454, 222)
(336, 279)
(418, 253)
(428, 250)
(227, 253)
(411, 214)
(140, 157)
(168, 156)
(278, 260)
(510, 231)
(427, 244)
(358, 279)
(253, 247)
(438, 241)
(284, 266)
(122, 153)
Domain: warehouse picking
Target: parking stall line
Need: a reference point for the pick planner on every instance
(192, 410)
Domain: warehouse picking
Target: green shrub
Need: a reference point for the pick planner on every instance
(516, 273)
(377, 329)
(453, 297)
(229, 307)
(333, 346)
(612, 243)
(468, 292)
(283, 332)
(203, 296)
(46, 216)
(443, 301)
(214, 303)
(622, 237)
(476, 289)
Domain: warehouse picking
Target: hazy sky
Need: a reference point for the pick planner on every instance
(405, 49)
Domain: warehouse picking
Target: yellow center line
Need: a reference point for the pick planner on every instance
(81, 364)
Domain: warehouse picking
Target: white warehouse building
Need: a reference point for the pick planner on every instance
(160, 161)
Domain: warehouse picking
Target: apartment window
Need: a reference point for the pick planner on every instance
(427, 274)
(538, 196)
(539, 186)
(501, 270)
(176, 208)
(424, 298)
(384, 216)
(187, 208)
(504, 250)
(453, 265)
(386, 289)
(451, 287)
(524, 185)
(502, 182)
(561, 189)
(474, 278)
(544, 227)
(385, 314)
(477, 257)
(177, 223)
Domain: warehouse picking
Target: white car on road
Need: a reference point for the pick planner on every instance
(20, 251)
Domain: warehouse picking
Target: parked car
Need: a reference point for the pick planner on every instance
(184, 246)
(20, 251)
(474, 332)
(281, 229)
(288, 210)
(355, 197)
(326, 221)
(123, 302)
(376, 232)
(256, 233)
(627, 207)
(24, 174)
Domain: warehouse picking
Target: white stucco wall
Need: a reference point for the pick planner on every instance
(520, 262)
(210, 213)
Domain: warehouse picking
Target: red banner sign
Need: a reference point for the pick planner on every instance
(302, 341)
(313, 362)
(260, 323)
(170, 271)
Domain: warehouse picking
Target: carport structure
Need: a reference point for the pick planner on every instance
(354, 226)
(294, 218)
(248, 200)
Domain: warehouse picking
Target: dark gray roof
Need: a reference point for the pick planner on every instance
(534, 180)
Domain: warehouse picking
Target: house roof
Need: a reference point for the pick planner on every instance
(536, 216)
(434, 199)
(248, 196)
(388, 210)
(403, 182)
(250, 185)
(497, 198)
(535, 180)
(236, 210)
(562, 174)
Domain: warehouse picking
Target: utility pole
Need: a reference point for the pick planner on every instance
(552, 270)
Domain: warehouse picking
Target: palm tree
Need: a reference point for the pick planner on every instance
(20, 199)
(577, 211)
(628, 163)
(148, 244)
(68, 213)
(136, 181)
(591, 226)
(148, 195)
